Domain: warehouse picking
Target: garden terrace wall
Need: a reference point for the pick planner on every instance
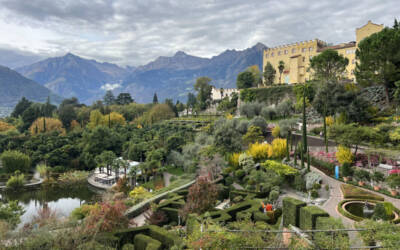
(309, 215)
(291, 211)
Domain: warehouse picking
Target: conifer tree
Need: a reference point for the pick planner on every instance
(155, 98)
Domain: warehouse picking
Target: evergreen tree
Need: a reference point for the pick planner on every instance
(155, 98)
(269, 74)
(245, 80)
(304, 127)
(124, 98)
(109, 98)
(203, 88)
(21, 106)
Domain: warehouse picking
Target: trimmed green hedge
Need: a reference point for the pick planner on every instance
(353, 192)
(172, 214)
(260, 216)
(128, 246)
(127, 236)
(144, 242)
(291, 211)
(326, 167)
(309, 215)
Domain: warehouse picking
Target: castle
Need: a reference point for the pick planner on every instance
(296, 57)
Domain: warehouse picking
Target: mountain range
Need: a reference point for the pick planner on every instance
(169, 77)
(14, 86)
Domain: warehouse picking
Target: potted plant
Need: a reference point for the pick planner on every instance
(347, 171)
(394, 182)
(362, 176)
(377, 177)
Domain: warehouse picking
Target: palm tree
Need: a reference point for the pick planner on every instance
(281, 67)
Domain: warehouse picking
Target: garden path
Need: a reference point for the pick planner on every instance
(140, 220)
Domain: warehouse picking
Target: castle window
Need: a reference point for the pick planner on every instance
(293, 50)
(303, 50)
(286, 51)
(310, 49)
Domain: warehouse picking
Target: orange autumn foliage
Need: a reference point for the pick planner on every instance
(4, 126)
(46, 124)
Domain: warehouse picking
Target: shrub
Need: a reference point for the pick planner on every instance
(276, 131)
(346, 169)
(73, 178)
(246, 162)
(279, 168)
(251, 109)
(234, 160)
(273, 195)
(139, 194)
(144, 242)
(157, 217)
(254, 134)
(291, 211)
(278, 148)
(10, 213)
(260, 122)
(309, 215)
(239, 173)
(107, 217)
(329, 120)
(344, 155)
(46, 124)
(259, 151)
(16, 181)
(242, 126)
(380, 212)
(299, 183)
(326, 167)
(268, 113)
(314, 193)
(202, 196)
(83, 211)
(362, 175)
(14, 160)
(284, 108)
(312, 178)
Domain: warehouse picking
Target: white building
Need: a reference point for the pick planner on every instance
(220, 93)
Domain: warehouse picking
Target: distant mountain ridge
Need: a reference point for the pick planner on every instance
(14, 86)
(71, 75)
(169, 77)
(173, 77)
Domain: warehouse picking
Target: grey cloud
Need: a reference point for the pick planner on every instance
(135, 31)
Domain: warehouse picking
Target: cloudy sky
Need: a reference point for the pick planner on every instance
(134, 32)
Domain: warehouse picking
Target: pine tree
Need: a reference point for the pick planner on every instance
(155, 98)
(109, 98)
(396, 24)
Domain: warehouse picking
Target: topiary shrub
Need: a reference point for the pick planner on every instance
(309, 215)
(144, 242)
(128, 247)
(291, 211)
(239, 174)
(13, 160)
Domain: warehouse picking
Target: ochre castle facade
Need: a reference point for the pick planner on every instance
(297, 56)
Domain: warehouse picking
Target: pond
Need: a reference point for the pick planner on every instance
(60, 199)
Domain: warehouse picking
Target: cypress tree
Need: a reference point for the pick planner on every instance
(304, 127)
(155, 98)
(308, 160)
(44, 124)
(287, 147)
(295, 155)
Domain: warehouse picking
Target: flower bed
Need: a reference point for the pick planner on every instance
(352, 192)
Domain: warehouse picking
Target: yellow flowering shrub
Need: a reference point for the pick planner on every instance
(259, 151)
(276, 131)
(344, 155)
(329, 120)
(278, 148)
(395, 135)
(229, 116)
(234, 160)
(139, 193)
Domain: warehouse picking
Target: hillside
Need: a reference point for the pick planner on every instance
(13, 86)
(71, 75)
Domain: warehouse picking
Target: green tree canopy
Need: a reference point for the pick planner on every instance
(124, 99)
(379, 59)
(109, 98)
(203, 88)
(269, 74)
(329, 65)
(245, 80)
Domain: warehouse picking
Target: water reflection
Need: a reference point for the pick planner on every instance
(62, 200)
